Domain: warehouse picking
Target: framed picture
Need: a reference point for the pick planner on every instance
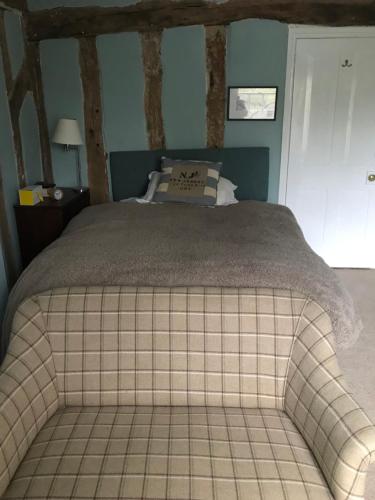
(252, 103)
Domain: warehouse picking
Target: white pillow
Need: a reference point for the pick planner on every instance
(225, 192)
(154, 178)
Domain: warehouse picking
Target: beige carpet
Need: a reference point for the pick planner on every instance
(358, 363)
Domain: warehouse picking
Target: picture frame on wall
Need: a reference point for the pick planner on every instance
(252, 103)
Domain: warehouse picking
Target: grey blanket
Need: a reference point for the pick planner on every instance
(251, 244)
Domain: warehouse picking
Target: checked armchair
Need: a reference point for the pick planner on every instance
(179, 393)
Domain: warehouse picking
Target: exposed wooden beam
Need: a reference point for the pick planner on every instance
(5, 239)
(215, 108)
(16, 91)
(96, 158)
(20, 5)
(5, 54)
(151, 50)
(21, 86)
(5, 236)
(33, 53)
(158, 14)
(17, 139)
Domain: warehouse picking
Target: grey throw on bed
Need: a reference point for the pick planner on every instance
(251, 244)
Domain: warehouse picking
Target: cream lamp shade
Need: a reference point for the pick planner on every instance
(67, 132)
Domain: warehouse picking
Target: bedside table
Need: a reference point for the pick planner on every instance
(41, 224)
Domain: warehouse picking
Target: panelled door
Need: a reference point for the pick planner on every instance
(330, 179)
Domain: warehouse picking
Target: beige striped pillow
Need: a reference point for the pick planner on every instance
(188, 181)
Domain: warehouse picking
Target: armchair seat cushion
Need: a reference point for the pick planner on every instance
(159, 452)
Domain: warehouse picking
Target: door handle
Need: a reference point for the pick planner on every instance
(371, 178)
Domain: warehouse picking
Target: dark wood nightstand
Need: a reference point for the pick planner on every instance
(41, 224)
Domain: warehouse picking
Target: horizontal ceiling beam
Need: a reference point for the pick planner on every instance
(149, 15)
(13, 5)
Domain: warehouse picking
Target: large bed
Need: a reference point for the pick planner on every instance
(250, 244)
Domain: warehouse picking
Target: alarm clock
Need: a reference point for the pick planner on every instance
(58, 194)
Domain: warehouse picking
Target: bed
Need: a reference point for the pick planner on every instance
(251, 244)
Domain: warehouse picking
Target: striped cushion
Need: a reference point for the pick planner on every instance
(175, 453)
(188, 181)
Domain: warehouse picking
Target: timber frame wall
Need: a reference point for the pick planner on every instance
(28, 80)
(149, 18)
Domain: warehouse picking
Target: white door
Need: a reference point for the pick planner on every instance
(331, 154)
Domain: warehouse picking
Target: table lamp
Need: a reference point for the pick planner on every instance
(68, 134)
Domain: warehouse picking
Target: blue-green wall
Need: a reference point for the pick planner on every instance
(256, 55)
(63, 99)
(184, 87)
(120, 58)
(30, 141)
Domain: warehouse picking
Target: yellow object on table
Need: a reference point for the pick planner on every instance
(30, 195)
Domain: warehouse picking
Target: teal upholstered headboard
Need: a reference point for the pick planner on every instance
(245, 167)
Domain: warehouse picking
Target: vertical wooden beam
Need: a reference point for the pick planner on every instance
(16, 97)
(17, 138)
(16, 94)
(151, 50)
(5, 54)
(215, 101)
(6, 239)
(21, 85)
(96, 157)
(5, 236)
(33, 54)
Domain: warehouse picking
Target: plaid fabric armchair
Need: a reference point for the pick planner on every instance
(184, 393)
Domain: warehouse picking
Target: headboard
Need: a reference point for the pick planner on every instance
(245, 167)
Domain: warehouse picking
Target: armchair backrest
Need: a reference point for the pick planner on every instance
(171, 346)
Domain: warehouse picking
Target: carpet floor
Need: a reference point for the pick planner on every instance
(358, 362)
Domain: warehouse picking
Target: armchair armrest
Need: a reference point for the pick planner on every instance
(28, 389)
(337, 430)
